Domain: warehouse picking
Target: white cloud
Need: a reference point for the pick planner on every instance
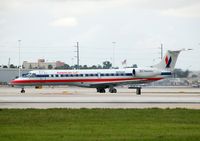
(2, 21)
(192, 11)
(64, 22)
(133, 24)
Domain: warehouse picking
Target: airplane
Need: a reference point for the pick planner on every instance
(101, 79)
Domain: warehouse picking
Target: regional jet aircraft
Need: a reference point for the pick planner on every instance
(100, 79)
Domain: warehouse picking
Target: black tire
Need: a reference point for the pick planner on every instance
(138, 91)
(98, 90)
(113, 90)
(102, 90)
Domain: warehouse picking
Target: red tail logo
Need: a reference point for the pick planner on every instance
(168, 61)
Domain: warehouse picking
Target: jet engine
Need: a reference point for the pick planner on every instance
(145, 72)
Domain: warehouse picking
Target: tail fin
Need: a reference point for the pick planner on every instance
(169, 61)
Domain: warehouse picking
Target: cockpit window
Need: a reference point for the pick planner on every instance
(24, 75)
(29, 75)
(33, 75)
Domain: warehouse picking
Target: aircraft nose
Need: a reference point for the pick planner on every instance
(14, 82)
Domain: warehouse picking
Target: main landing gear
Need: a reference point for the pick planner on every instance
(113, 90)
(22, 91)
(138, 90)
(102, 90)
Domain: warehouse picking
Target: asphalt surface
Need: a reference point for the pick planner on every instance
(75, 97)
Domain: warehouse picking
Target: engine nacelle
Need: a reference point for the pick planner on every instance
(145, 72)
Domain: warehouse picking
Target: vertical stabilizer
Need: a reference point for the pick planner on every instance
(169, 60)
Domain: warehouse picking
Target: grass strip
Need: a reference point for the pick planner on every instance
(99, 125)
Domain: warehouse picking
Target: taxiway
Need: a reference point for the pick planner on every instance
(75, 97)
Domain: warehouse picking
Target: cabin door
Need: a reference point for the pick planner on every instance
(42, 76)
(99, 75)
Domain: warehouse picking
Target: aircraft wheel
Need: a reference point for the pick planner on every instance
(98, 90)
(113, 90)
(138, 91)
(102, 90)
(22, 91)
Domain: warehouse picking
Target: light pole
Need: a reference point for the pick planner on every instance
(113, 54)
(19, 44)
(77, 54)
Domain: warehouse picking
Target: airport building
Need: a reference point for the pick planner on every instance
(42, 64)
(7, 74)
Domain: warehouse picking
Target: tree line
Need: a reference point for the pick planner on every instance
(178, 73)
(105, 65)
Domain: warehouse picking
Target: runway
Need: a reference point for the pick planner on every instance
(73, 97)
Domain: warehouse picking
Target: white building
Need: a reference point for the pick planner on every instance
(41, 64)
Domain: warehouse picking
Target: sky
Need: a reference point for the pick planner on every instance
(113, 30)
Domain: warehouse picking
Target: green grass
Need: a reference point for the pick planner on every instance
(99, 125)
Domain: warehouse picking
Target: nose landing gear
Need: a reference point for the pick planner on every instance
(22, 91)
